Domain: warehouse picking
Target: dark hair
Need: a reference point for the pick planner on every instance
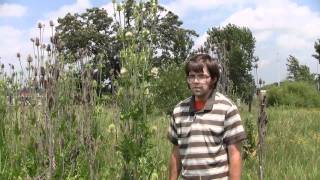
(198, 61)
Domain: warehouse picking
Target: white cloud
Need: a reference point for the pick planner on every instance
(79, 6)
(13, 41)
(280, 26)
(182, 7)
(200, 40)
(109, 8)
(12, 10)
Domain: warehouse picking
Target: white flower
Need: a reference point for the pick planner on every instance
(129, 34)
(112, 128)
(123, 70)
(146, 91)
(155, 72)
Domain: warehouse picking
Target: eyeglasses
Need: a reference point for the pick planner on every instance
(200, 78)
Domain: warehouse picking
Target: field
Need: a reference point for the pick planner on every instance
(28, 152)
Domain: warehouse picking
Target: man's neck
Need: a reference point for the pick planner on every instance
(203, 98)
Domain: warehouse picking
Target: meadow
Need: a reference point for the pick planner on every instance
(58, 121)
(67, 148)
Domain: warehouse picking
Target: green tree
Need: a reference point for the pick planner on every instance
(96, 32)
(235, 46)
(167, 39)
(297, 72)
(317, 56)
(317, 49)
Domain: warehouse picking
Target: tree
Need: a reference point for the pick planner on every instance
(317, 56)
(235, 47)
(168, 40)
(97, 35)
(317, 49)
(297, 72)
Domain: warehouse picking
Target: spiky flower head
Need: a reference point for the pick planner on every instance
(39, 25)
(37, 42)
(119, 7)
(29, 58)
(48, 48)
(18, 55)
(32, 40)
(51, 23)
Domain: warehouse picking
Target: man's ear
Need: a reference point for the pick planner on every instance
(214, 80)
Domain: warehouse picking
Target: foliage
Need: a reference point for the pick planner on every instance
(317, 49)
(298, 72)
(299, 94)
(95, 34)
(170, 88)
(235, 49)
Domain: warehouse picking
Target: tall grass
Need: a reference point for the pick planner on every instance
(292, 145)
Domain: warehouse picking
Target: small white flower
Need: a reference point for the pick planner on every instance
(129, 34)
(146, 91)
(112, 128)
(123, 70)
(155, 72)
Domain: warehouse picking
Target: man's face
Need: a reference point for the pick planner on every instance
(200, 83)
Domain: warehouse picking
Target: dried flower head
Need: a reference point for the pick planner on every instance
(37, 42)
(51, 23)
(42, 71)
(119, 7)
(18, 55)
(39, 25)
(29, 58)
(32, 40)
(48, 48)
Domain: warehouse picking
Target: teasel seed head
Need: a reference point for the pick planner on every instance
(18, 55)
(29, 59)
(32, 40)
(39, 25)
(51, 23)
(42, 71)
(48, 48)
(37, 42)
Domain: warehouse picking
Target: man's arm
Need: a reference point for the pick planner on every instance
(175, 163)
(234, 161)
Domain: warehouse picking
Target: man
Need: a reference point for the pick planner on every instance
(205, 129)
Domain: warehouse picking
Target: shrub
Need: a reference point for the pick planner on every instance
(170, 88)
(298, 94)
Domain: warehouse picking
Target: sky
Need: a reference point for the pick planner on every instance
(280, 27)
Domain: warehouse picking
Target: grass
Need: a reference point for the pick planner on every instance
(291, 146)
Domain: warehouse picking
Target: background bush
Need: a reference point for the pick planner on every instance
(298, 94)
(170, 88)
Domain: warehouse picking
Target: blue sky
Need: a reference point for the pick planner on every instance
(281, 27)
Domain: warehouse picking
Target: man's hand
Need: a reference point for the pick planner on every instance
(234, 161)
(175, 164)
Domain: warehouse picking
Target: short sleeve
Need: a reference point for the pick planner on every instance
(172, 132)
(233, 129)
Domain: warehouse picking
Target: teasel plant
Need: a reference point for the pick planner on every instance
(133, 93)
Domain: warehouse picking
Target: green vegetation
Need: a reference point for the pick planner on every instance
(60, 124)
(298, 94)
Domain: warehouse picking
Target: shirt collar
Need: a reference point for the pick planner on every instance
(208, 105)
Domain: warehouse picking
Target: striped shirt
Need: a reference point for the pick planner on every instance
(203, 136)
